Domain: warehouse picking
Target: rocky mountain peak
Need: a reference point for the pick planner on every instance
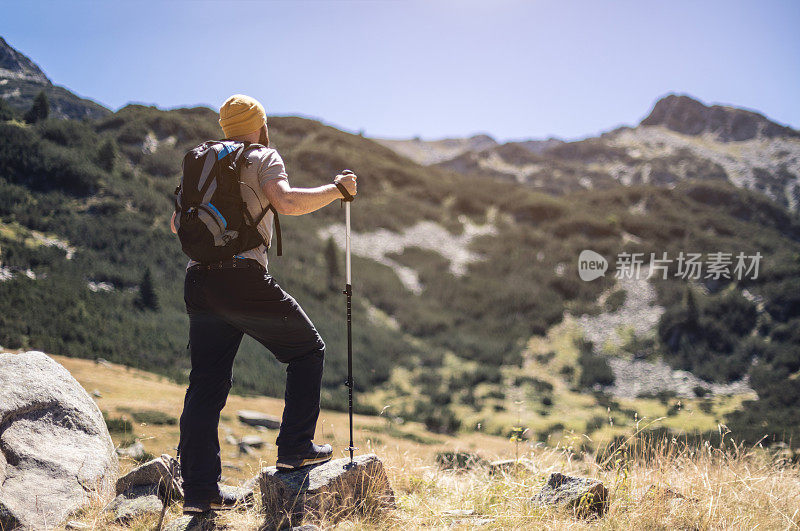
(729, 124)
(14, 65)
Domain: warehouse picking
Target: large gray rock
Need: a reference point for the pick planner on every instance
(134, 503)
(244, 495)
(155, 472)
(585, 496)
(204, 522)
(334, 490)
(253, 441)
(256, 418)
(55, 450)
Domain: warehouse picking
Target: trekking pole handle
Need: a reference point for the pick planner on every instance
(347, 235)
(347, 241)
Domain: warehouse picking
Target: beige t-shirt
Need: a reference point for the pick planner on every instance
(265, 164)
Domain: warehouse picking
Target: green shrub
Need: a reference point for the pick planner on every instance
(449, 460)
(117, 424)
(594, 368)
(615, 300)
(153, 417)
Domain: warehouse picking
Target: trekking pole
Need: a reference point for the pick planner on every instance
(348, 291)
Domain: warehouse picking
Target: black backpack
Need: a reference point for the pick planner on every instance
(211, 217)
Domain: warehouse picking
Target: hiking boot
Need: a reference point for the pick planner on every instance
(228, 498)
(315, 455)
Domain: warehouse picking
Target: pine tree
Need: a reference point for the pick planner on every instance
(692, 312)
(107, 155)
(6, 112)
(332, 259)
(39, 109)
(148, 298)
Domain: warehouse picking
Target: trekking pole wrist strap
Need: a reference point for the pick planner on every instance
(346, 196)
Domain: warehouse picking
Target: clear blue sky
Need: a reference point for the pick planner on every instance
(513, 69)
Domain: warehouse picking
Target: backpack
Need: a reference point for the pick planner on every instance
(212, 218)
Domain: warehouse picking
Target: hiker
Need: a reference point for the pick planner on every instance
(234, 296)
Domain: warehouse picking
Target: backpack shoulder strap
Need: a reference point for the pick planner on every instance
(246, 147)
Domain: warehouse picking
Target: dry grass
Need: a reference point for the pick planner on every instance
(728, 488)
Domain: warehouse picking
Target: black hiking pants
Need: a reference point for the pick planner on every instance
(224, 304)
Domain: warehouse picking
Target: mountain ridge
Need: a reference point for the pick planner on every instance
(687, 115)
(681, 138)
(15, 65)
(21, 79)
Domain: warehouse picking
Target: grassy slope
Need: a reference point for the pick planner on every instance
(723, 489)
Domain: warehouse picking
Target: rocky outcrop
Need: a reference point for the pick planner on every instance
(163, 473)
(332, 490)
(56, 452)
(135, 503)
(729, 124)
(21, 80)
(584, 496)
(14, 65)
(511, 467)
(256, 418)
(192, 523)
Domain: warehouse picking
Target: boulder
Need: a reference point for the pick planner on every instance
(134, 451)
(585, 496)
(204, 522)
(256, 418)
(334, 490)
(155, 472)
(135, 502)
(253, 441)
(55, 450)
(243, 495)
(510, 467)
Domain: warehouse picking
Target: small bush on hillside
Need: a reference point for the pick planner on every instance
(117, 424)
(615, 300)
(450, 460)
(594, 368)
(441, 420)
(153, 417)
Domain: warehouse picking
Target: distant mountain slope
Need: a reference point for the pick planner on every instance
(21, 80)
(681, 139)
(688, 116)
(427, 152)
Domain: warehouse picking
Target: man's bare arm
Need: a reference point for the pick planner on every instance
(299, 201)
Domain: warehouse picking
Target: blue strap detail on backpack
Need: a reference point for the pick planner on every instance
(226, 149)
(224, 221)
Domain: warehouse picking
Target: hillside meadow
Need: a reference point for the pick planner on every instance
(84, 210)
(664, 486)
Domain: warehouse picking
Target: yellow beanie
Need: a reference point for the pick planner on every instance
(241, 115)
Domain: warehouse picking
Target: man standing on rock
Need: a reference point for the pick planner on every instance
(237, 296)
